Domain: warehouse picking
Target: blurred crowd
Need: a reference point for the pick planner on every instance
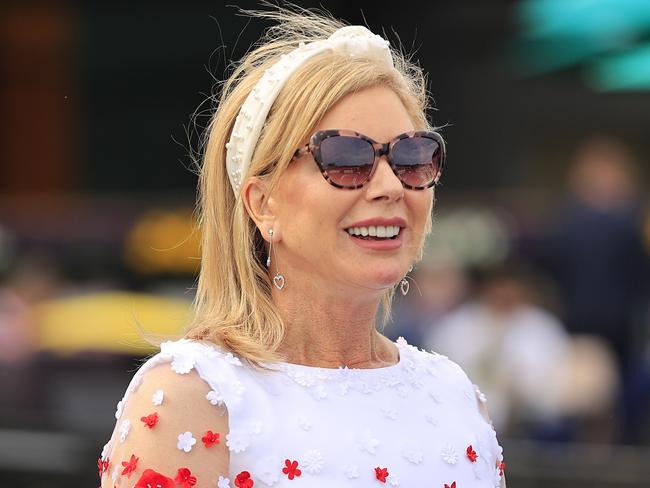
(554, 328)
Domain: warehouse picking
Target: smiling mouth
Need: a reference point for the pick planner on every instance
(375, 233)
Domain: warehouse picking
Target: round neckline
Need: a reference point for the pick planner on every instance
(392, 367)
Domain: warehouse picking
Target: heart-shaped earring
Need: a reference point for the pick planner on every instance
(278, 281)
(404, 285)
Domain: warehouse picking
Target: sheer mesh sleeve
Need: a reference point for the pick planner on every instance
(170, 431)
(482, 407)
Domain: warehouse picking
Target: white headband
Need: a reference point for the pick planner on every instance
(357, 41)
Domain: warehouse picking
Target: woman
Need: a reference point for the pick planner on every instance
(307, 225)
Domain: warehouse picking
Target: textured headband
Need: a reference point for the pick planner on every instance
(357, 41)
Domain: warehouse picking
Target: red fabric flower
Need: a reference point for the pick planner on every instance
(381, 474)
(152, 479)
(453, 485)
(502, 467)
(471, 454)
(184, 478)
(210, 438)
(291, 469)
(102, 466)
(129, 466)
(244, 480)
(150, 420)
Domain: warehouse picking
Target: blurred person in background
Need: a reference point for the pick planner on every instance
(594, 251)
(523, 358)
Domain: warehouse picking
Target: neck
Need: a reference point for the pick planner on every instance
(331, 330)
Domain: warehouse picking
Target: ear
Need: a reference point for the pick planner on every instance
(255, 197)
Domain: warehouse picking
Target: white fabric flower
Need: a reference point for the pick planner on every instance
(237, 387)
(431, 418)
(214, 398)
(320, 392)
(237, 441)
(352, 471)
(230, 359)
(313, 462)
(136, 382)
(449, 454)
(343, 387)
(223, 482)
(304, 423)
(125, 428)
(157, 398)
(412, 454)
(435, 395)
(390, 413)
(401, 341)
(105, 450)
(269, 470)
(182, 364)
(119, 409)
(480, 394)
(304, 378)
(367, 442)
(185, 441)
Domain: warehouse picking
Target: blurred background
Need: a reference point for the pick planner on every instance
(536, 277)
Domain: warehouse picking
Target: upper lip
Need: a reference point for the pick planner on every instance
(379, 221)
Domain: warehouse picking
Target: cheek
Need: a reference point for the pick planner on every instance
(422, 205)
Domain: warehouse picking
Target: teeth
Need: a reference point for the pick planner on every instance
(380, 231)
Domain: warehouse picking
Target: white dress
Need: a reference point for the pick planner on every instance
(419, 422)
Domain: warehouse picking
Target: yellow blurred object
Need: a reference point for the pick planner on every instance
(163, 241)
(108, 322)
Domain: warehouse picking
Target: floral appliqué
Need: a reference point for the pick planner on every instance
(182, 364)
(453, 485)
(449, 454)
(352, 472)
(185, 441)
(471, 454)
(150, 420)
(368, 443)
(313, 461)
(244, 480)
(153, 479)
(237, 440)
(125, 428)
(129, 466)
(214, 398)
(210, 438)
(185, 478)
(381, 474)
(119, 409)
(102, 466)
(157, 398)
(223, 482)
(291, 469)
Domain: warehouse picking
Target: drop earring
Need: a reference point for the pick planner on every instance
(278, 279)
(404, 284)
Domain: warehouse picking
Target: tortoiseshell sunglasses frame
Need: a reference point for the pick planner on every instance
(381, 149)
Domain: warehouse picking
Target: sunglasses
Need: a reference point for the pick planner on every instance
(348, 159)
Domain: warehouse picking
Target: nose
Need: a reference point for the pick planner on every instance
(384, 184)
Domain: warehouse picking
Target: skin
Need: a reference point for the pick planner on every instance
(333, 286)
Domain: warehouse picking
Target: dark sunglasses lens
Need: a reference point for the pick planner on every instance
(347, 160)
(417, 160)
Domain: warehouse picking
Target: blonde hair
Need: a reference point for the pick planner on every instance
(233, 305)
